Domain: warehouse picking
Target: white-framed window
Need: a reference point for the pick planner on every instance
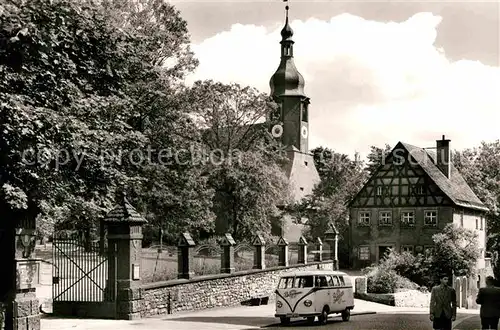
(430, 218)
(364, 253)
(385, 218)
(407, 248)
(364, 218)
(482, 223)
(477, 223)
(379, 191)
(462, 219)
(408, 218)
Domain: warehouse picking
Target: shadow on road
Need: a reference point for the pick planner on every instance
(396, 321)
(262, 322)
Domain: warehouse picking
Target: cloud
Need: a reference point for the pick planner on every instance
(370, 82)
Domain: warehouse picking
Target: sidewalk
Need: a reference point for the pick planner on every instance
(231, 318)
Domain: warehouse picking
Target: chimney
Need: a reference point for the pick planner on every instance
(443, 156)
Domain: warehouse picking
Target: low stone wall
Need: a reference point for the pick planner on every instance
(412, 298)
(217, 290)
(386, 298)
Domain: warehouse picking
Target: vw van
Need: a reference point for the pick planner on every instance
(314, 293)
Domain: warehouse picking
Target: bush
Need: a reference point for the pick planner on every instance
(414, 268)
(382, 280)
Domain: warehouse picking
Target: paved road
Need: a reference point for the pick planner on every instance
(366, 322)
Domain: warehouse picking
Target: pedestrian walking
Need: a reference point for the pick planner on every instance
(443, 305)
(489, 299)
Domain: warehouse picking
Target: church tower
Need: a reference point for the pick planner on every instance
(287, 90)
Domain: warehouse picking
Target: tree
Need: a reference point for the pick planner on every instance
(376, 157)
(229, 117)
(341, 179)
(455, 250)
(74, 83)
(244, 172)
(479, 167)
(248, 193)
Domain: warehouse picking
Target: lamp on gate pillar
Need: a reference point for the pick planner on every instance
(332, 237)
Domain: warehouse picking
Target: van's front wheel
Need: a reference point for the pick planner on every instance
(346, 315)
(285, 320)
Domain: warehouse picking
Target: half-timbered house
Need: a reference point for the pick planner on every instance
(413, 195)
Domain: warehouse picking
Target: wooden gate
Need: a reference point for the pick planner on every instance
(81, 285)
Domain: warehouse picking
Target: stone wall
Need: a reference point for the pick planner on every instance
(217, 290)
(412, 298)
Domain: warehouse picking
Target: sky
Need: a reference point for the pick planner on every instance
(376, 72)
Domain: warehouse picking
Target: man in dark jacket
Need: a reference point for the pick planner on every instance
(489, 299)
(443, 305)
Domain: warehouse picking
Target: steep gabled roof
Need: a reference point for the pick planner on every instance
(456, 188)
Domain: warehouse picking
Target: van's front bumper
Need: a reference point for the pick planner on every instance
(297, 314)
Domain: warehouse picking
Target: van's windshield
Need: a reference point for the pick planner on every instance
(296, 282)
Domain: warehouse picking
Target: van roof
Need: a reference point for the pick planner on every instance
(314, 272)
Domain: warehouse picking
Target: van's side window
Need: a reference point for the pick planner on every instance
(330, 281)
(336, 281)
(342, 282)
(321, 281)
(304, 282)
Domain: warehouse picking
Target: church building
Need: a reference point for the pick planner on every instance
(287, 90)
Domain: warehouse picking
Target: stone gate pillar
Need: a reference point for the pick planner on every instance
(259, 257)
(282, 252)
(21, 274)
(185, 256)
(124, 229)
(332, 237)
(227, 257)
(302, 259)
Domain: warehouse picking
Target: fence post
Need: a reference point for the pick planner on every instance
(319, 250)
(259, 260)
(302, 259)
(124, 227)
(185, 256)
(227, 258)
(283, 252)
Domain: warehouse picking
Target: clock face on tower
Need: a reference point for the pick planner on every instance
(304, 132)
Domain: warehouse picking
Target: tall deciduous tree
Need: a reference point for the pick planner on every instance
(480, 168)
(376, 157)
(80, 80)
(341, 179)
(244, 170)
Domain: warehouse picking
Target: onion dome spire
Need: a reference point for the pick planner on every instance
(287, 80)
